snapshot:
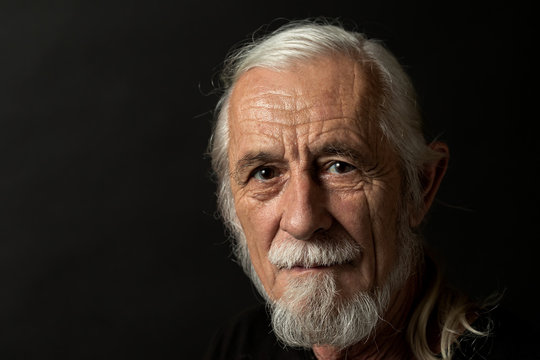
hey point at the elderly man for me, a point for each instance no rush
(324, 178)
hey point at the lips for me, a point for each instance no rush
(300, 267)
(313, 266)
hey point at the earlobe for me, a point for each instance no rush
(431, 179)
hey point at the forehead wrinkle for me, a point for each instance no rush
(285, 125)
(290, 117)
(268, 99)
(274, 133)
(355, 92)
(263, 133)
(294, 109)
(274, 112)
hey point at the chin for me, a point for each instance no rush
(314, 310)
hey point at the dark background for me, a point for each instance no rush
(109, 247)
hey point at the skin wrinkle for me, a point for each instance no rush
(365, 181)
(241, 165)
(310, 122)
(361, 138)
(271, 100)
(276, 96)
(372, 239)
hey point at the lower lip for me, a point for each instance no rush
(315, 268)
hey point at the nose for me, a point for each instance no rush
(304, 207)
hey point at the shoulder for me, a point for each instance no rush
(249, 336)
(509, 338)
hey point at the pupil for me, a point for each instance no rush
(266, 173)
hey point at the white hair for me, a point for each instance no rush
(391, 104)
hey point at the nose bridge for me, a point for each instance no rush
(304, 206)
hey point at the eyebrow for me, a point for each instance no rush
(341, 150)
(251, 159)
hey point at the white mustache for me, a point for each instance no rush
(321, 251)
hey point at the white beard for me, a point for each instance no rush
(313, 311)
(310, 313)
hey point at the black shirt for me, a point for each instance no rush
(250, 337)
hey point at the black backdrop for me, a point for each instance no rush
(109, 247)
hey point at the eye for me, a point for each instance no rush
(340, 167)
(264, 173)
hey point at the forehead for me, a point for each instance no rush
(309, 107)
(307, 93)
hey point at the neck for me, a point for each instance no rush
(389, 341)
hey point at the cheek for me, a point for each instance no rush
(257, 220)
(259, 223)
(370, 218)
(351, 211)
(384, 223)
(384, 216)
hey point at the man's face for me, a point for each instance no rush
(308, 166)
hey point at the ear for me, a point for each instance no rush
(431, 179)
